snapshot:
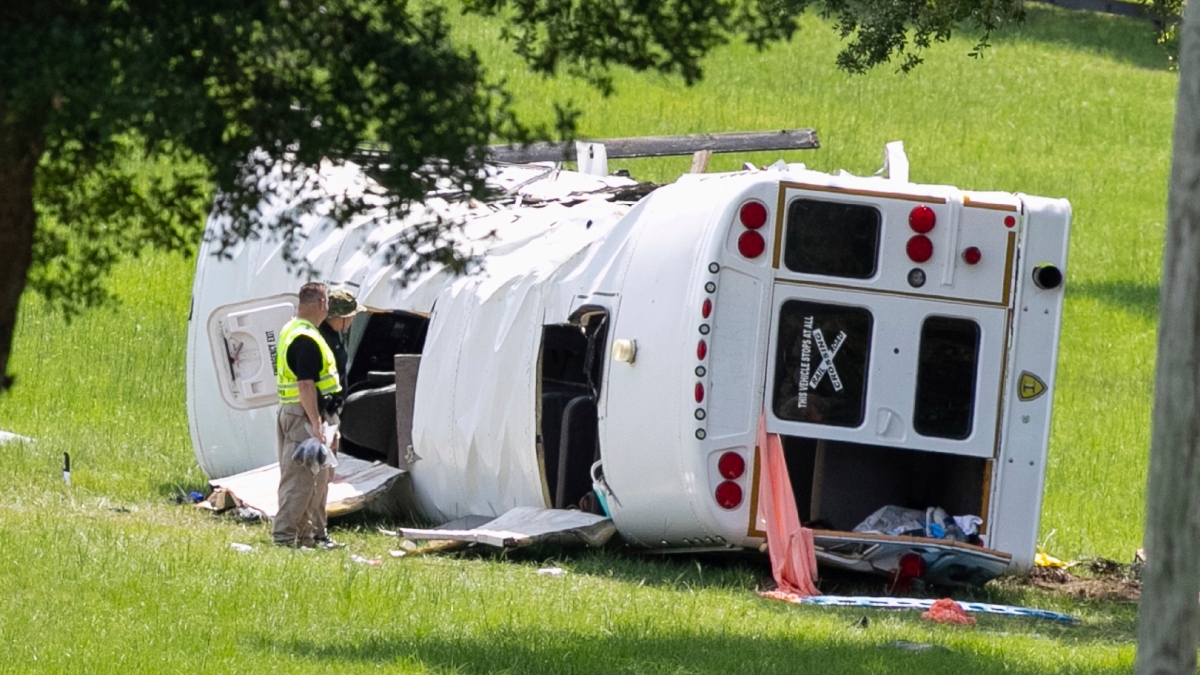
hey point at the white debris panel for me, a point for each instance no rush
(355, 483)
(525, 525)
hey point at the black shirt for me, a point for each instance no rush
(304, 358)
(334, 340)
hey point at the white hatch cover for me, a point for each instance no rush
(243, 338)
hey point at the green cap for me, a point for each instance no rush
(342, 304)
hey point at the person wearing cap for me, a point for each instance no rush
(306, 376)
(342, 310)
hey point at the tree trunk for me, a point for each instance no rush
(1169, 616)
(19, 155)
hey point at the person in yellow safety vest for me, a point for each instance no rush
(306, 375)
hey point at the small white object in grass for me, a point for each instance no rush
(6, 436)
(552, 572)
(364, 561)
(397, 554)
(241, 548)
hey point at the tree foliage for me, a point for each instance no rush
(586, 37)
(1166, 15)
(217, 96)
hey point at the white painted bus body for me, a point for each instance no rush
(667, 274)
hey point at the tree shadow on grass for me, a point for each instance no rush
(1139, 299)
(1129, 40)
(624, 647)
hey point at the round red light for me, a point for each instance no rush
(1009, 221)
(699, 392)
(751, 244)
(922, 219)
(911, 566)
(972, 255)
(753, 215)
(701, 350)
(919, 248)
(706, 308)
(729, 495)
(731, 465)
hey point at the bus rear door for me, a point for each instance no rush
(886, 365)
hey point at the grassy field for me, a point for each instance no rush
(109, 575)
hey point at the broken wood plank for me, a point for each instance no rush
(663, 146)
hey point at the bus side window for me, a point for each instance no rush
(832, 239)
(821, 363)
(947, 367)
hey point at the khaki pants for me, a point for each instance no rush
(302, 494)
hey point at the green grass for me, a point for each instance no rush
(108, 575)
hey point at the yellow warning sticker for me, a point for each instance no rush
(1030, 386)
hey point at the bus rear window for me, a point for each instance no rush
(832, 239)
(821, 363)
(947, 364)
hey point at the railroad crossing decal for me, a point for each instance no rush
(827, 354)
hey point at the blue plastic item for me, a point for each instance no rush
(924, 603)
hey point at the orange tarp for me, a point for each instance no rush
(793, 556)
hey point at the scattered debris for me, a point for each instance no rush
(523, 526)
(8, 436)
(355, 482)
(1044, 560)
(909, 646)
(552, 572)
(373, 562)
(1050, 575)
(397, 554)
(862, 622)
(1097, 579)
(250, 515)
(925, 603)
(241, 548)
(1104, 567)
(945, 610)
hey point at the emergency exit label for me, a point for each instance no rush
(1030, 386)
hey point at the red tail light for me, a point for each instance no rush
(699, 392)
(911, 566)
(706, 308)
(729, 495)
(753, 215)
(701, 350)
(919, 248)
(922, 219)
(751, 244)
(731, 465)
(1009, 221)
(972, 255)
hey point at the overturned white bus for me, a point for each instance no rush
(616, 352)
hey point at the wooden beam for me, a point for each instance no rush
(663, 146)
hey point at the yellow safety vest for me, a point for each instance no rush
(327, 381)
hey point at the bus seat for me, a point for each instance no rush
(577, 451)
(369, 419)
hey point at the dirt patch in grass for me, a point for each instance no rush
(1098, 579)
